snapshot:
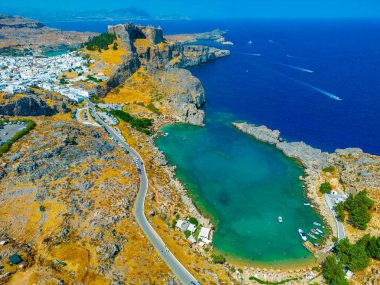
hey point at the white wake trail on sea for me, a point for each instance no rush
(324, 92)
(319, 90)
(293, 66)
(279, 63)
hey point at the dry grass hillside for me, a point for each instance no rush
(66, 200)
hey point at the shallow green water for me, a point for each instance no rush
(244, 185)
(55, 53)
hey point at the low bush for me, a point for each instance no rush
(325, 188)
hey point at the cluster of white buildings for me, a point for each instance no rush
(204, 236)
(18, 74)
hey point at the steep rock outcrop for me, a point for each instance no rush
(34, 105)
(186, 95)
(129, 32)
(27, 106)
(129, 66)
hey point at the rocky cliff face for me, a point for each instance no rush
(129, 66)
(180, 56)
(186, 95)
(33, 105)
(128, 33)
(147, 47)
(27, 106)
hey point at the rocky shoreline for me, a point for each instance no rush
(348, 164)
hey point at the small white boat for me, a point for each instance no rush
(280, 219)
(317, 224)
(306, 204)
(250, 42)
(302, 234)
(318, 230)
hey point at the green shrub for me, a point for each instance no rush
(100, 42)
(153, 108)
(187, 233)
(218, 258)
(325, 188)
(329, 169)
(193, 221)
(142, 125)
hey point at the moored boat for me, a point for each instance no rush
(314, 231)
(319, 231)
(312, 236)
(302, 234)
(280, 219)
(316, 224)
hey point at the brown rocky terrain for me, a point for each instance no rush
(19, 33)
(35, 103)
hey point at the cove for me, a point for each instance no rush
(243, 185)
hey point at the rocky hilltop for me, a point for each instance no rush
(17, 22)
(147, 48)
(19, 33)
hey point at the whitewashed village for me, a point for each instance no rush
(19, 74)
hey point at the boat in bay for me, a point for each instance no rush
(302, 234)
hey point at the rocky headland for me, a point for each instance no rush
(162, 60)
(19, 35)
(216, 35)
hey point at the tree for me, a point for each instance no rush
(358, 207)
(333, 271)
(193, 221)
(372, 246)
(325, 188)
(360, 216)
(339, 209)
(359, 258)
(343, 247)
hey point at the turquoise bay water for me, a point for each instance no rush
(244, 185)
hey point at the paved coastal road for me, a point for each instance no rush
(179, 270)
(339, 225)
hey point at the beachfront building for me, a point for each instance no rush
(204, 236)
(182, 225)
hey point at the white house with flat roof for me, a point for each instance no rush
(204, 233)
(182, 225)
(192, 228)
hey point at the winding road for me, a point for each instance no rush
(179, 270)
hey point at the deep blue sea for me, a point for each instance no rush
(316, 81)
(273, 89)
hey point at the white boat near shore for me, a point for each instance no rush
(302, 234)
